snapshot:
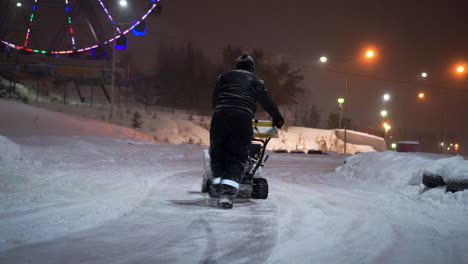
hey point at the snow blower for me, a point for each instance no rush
(252, 184)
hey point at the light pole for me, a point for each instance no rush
(122, 4)
(112, 84)
(340, 106)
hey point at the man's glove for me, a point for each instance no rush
(278, 122)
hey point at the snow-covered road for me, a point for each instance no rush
(104, 200)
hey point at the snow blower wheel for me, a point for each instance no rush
(433, 181)
(260, 188)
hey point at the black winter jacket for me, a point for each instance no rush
(241, 89)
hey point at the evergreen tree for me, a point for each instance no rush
(312, 117)
(136, 120)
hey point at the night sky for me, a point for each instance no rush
(410, 37)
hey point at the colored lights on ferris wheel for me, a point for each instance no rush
(121, 42)
(140, 28)
(98, 52)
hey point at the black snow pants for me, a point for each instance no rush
(230, 137)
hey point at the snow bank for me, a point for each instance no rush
(10, 152)
(387, 168)
(359, 138)
(302, 138)
(402, 173)
(449, 168)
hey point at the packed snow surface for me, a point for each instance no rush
(96, 199)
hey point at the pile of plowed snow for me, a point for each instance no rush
(455, 168)
(380, 167)
(10, 152)
(403, 172)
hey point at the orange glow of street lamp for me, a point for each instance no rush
(421, 95)
(386, 126)
(370, 53)
(459, 69)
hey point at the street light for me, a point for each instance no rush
(123, 3)
(19, 4)
(370, 53)
(323, 59)
(386, 126)
(386, 97)
(340, 104)
(383, 113)
(424, 74)
(421, 95)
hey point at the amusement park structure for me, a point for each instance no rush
(69, 40)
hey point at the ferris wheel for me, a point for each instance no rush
(57, 27)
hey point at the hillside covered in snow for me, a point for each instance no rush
(179, 127)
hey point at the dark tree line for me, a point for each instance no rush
(186, 77)
(334, 121)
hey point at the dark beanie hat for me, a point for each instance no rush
(245, 62)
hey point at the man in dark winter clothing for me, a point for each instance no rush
(234, 103)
